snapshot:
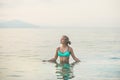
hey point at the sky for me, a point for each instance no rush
(63, 13)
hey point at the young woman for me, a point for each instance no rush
(64, 69)
(64, 51)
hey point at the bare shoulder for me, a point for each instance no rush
(70, 49)
(57, 48)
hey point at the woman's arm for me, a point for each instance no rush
(55, 57)
(73, 55)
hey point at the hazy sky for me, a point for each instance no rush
(80, 13)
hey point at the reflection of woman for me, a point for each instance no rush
(64, 51)
(65, 71)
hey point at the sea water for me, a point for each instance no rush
(23, 49)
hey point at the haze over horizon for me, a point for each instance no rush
(80, 13)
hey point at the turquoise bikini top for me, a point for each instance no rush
(64, 54)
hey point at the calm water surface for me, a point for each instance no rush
(22, 52)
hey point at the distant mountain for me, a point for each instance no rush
(16, 24)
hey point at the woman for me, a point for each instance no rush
(64, 69)
(64, 51)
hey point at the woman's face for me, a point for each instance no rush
(63, 40)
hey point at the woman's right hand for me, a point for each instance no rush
(51, 60)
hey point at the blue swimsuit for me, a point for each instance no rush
(64, 54)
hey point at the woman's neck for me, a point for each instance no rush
(64, 45)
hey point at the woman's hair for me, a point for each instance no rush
(67, 39)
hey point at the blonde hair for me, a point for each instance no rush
(67, 38)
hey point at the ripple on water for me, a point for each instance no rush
(115, 58)
(20, 71)
(14, 75)
(3, 68)
(17, 73)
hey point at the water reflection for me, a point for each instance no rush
(65, 71)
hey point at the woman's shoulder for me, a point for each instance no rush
(70, 48)
(57, 48)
